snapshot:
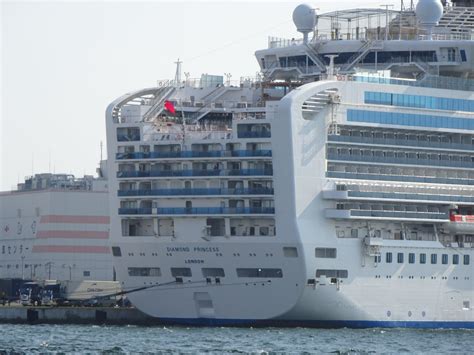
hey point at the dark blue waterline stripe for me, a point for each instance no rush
(212, 322)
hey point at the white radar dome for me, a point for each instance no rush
(304, 17)
(429, 12)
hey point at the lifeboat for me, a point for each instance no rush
(461, 224)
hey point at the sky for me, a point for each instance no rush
(63, 62)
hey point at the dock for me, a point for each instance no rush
(74, 315)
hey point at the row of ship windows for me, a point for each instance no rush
(418, 101)
(409, 119)
(206, 272)
(422, 258)
(331, 253)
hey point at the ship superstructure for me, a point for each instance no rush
(334, 190)
(56, 226)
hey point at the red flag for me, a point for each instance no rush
(169, 106)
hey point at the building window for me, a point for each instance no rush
(444, 259)
(434, 258)
(116, 251)
(388, 257)
(400, 258)
(466, 259)
(330, 253)
(411, 258)
(422, 258)
(378, 259)
(86, 273)
(455, 259)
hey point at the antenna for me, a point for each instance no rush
(387, 24)
(428, 13)
(304, 18)
(177, 77)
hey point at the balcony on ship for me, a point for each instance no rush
(196, 211)
(195, 192)
(398, 192)
(386, 211)
(403, 138)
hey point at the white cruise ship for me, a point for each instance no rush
(56, 226)
(336, 189)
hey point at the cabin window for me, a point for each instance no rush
(455, 259)
(290, 252)
(444, 259)
(181, 272)
(422, 258)
(213, 272)
(466, 259)
(411, 258)
(343, 274)
(86, 273)
(434, 258)
(400, 258)
(144, 271)
(259, 272)
(388, 257)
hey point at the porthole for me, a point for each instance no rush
(409, 313)
(389, 313)
(423, 313)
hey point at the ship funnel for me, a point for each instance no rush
(428, 14)
(305, 20)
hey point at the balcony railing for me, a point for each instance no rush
(382, 177)
(178, 173)
(195, 154)
(196, 210)
(404, 161)
(409, 196)
(399, 214)
(263, 134)
(401, 142)
(128, 137)
(195, 192)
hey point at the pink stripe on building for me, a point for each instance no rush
(77, 249)
(75, 219)
(72, 234)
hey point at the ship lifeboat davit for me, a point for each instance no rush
(461, 224)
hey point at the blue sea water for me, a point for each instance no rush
(95, 339)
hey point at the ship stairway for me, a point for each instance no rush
(313, 54)
(361, 53)
(316, 103)
(157, 105)
(209, 102)
(458, 19)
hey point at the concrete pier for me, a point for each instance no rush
(74, 315)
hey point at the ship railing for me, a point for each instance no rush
(399, 214)
(196, 192)
(430, 81)
(400, 142)
(196, 210)
(410, 196)
(402, 161)
(196, 135)
(405, 178)
(195, 154)
(195, 172)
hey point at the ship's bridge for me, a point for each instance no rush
(376, 39)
